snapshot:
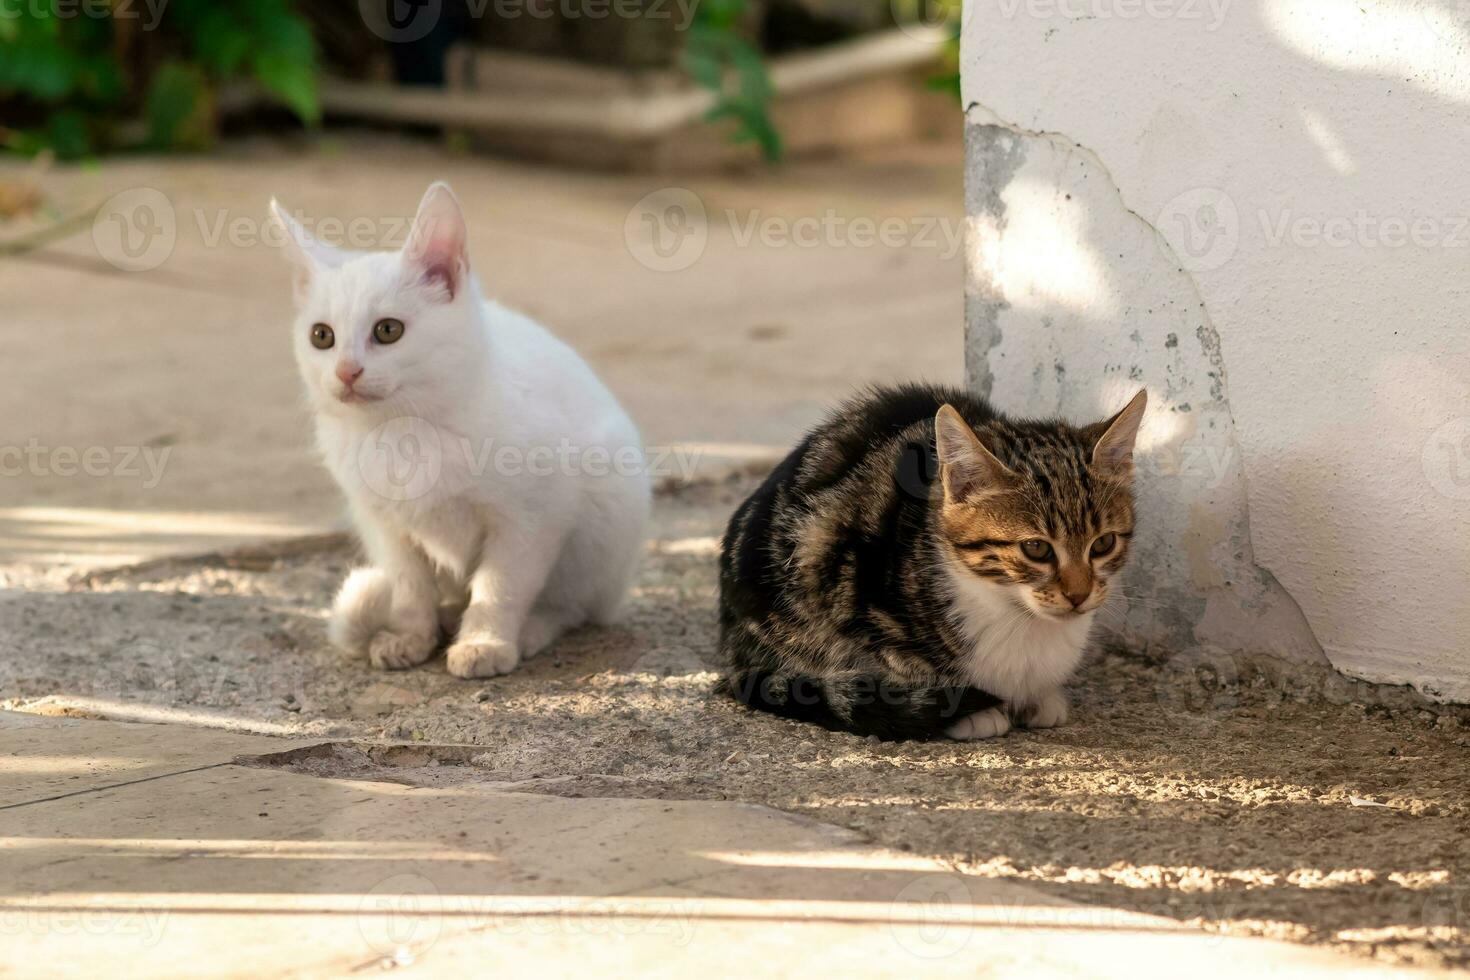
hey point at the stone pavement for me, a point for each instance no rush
(1339, 825)
(160, 851)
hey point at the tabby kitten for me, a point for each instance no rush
(923, 565)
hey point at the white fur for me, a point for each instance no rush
(1019, 654)
(360, 610)
(990, 723)
(469, 476)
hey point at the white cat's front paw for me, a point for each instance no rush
(990, 723)
(399, 651)
(1049, 711)
(360, 610)
(485, 658)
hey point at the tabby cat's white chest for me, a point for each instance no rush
(1016, 655)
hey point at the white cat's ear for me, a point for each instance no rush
(437, 244)
(307, 254)
(1113, 451)
(966, 466)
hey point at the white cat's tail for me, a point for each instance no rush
(360, 610)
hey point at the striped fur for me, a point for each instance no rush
(866, 586)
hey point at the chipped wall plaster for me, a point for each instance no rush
(1048, 203)
(1136, 217)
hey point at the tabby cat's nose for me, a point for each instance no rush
(1077, 598)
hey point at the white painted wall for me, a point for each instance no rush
(1260, 209)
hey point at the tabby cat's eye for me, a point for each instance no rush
(1036, 549)
(322, 337)
(388, 331)
(1104, 544)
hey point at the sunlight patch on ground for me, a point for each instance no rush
(117, 710)
(702, 546)
(823, 859)
(37, 764)
(335, 850)
(98, 535)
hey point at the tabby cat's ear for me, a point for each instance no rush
(966, 466)
(1113, 452)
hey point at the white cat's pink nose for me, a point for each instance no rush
(348, 372)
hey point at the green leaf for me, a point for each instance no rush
(949, 83)
(221, 43)
(68, 133)
(722, 13)
(714, 51)
(770, 139)
(706, 70)
(102, 81)
(40, 67)
(746, 59)
(293, 82)
(177, 107)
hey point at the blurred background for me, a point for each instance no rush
(739, 210)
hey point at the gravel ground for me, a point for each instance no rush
(1246, 798)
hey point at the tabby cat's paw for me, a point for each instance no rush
(397, 651)
(1049, 711)
(483, 658)
(990, 723)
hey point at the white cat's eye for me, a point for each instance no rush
(322, 337)
(1036, 549)
(388, 331)
(1104, 544)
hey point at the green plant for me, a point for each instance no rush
(948, 79)
(81, 78)
(946, 14)
(719, 58)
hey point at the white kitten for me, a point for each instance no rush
(498, 486)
